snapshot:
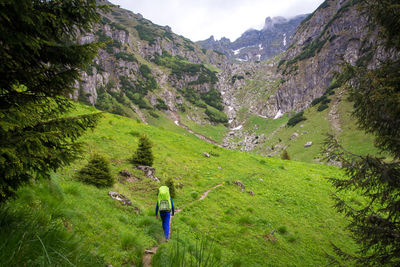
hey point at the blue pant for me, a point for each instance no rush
(165, 217)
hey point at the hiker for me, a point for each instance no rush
(164, 206)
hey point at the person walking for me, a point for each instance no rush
(164, 207)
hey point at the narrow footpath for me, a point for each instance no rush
(148, 254)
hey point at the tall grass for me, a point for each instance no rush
(34, 231)
(202, 253)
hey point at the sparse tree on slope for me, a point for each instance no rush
(40, 60)
(375, 226)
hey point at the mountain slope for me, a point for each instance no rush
(145, 69)
(301, 79)
(289, 220)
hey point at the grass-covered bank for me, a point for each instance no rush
(290, 197)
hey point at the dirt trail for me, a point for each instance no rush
(177, 121)
(148, 254)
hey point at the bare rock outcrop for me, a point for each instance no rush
(120, 197)
(149, 172)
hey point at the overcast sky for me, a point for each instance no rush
(199, 19)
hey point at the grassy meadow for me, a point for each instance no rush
(288, 221)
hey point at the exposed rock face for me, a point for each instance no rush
(116, 74)
(258, 45)
(336, 29)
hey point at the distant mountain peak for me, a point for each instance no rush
(271, 22)
(257, 45)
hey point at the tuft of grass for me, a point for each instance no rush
(282, 230)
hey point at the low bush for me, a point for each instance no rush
(296, 119)
(215, 115)
(97, 172)
(322, 107)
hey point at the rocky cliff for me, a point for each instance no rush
(146, 71)
(143, 68)
(258, 45)
(336, 31)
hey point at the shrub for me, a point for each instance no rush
(213, 98)
(216, 116)
(171, 185)
(194, 194)
(143, 154)
(126, 56)
(282, 230)
(153, 114)
(285, 155)
(161, 104)
(318, 100)
(97, 172)
(296, 119)
(322, 107)
(146, 33)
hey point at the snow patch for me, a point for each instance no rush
(230, 108)
(241, 60)
(278, 114)
(260, 47)
(284, 39)
(258, 57)
(230, 121)
(237, 128)
(177, 122)
(222, 93)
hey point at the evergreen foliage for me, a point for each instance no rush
(213, 98)
(285, 155)
(97, 172)
(298, 117)
(215, 115)
(376, 96)
(40, 60)
(143, 155)
(171, 185)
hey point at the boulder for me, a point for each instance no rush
(205, 154)
(251, 193)
(120, 197)
(149, 172)
(294, 136)
(125, 173)
(308, 144)
(239, 183)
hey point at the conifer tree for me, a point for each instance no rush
(40, 60)
(375, 226)
(97, 172)
(143, 154)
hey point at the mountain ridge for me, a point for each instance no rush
(257, 45)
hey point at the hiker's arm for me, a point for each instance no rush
(173, 209)
(157, 210)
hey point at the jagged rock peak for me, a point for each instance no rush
(271, 22)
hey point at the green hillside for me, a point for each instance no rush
(291, 200)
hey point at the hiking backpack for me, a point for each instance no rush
(164, 199)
